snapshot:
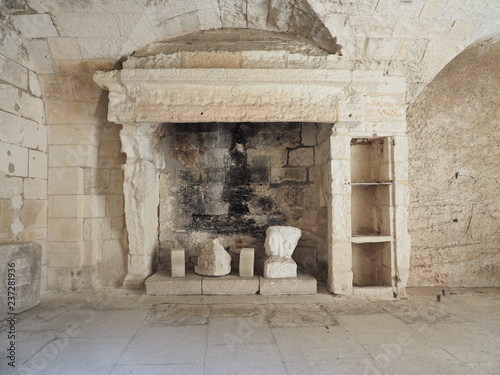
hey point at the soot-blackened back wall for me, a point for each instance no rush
(233, 180)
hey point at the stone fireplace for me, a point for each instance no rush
(228, 151)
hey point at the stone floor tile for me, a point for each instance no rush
(178, 315)
(351, 306)
(194, 369)
(240, 330)
(467, 342)
(236, 310)
(317, 344)
(50, 319)
(287, 315)
(486, 368)
(251, 359)
(375, 328)
(419, 310)
(109, 323)
(146, 300)
(255, 299)
(77, 300)
(74, 356)
(117, 301)
(167, 345)
(423, 365)
(28, 343)
(335, 367)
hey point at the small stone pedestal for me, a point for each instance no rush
(276, 267)
(247, 256)
(178, 262)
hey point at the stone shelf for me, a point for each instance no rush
(373, 238)
(161, 284)
(370, 183)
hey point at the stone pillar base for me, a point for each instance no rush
(279, 268)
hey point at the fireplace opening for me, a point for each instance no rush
(234, 180)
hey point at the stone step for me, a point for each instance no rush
(161, 283)
(302, 284)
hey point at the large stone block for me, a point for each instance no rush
(74, 113)
(65, 229)
(35, 188)
(13, 73)
(230, 284)
(303, 157)
(20, 265)
(13, 160)
(33, 214)
(302, 284)
(37, 164)
(57, 87)
(295, 174)
(384, 108)
(35, 25)
(21, 103)
(83, 24)
(73, 156)
(65, 48)
(162, 284)
(66, 180)
(10, 187)
(211, 59)
(264, 59)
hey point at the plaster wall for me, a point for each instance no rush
(23, 149)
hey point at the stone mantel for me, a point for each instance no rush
(230, 95)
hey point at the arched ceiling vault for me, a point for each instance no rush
(414, 38)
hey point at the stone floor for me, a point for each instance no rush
(124, 332)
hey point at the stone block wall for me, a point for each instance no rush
(23, 146)
(234, 180)
(85, 195)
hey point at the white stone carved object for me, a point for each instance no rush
(247, 256)
(280, 243)
(214, 260)
(178, 263)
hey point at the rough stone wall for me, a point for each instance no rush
(236, 179)
(23, 143)
(454, 130)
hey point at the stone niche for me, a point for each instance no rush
(267, 138)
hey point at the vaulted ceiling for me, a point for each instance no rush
(414, 37)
